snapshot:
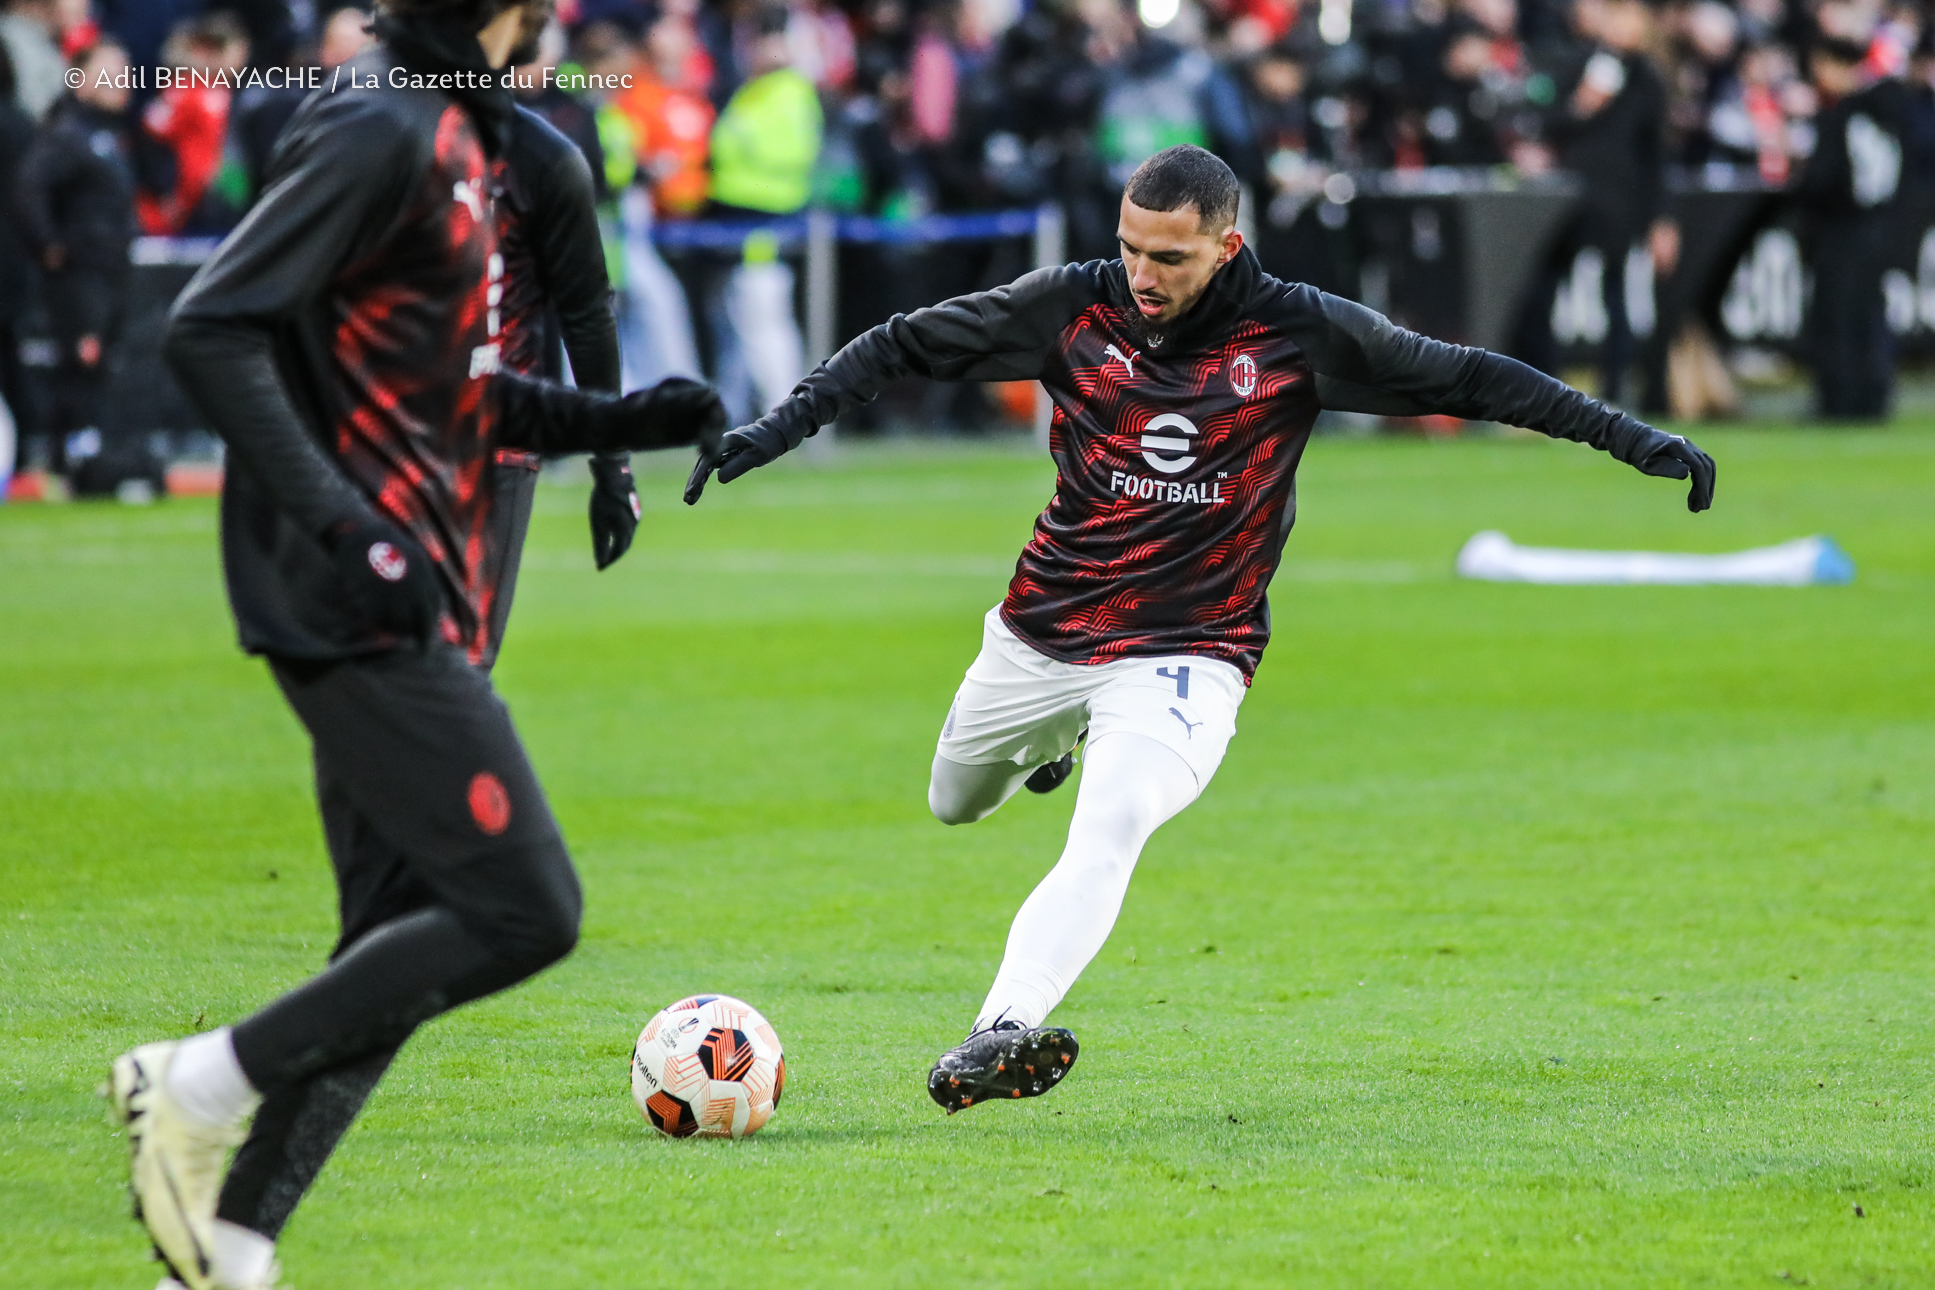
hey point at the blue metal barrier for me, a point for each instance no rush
(790, 230)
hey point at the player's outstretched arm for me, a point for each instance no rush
(1366, 363)
(542, 416)
(998, 335)
(570, 255)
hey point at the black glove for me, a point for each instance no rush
(671, 414)
(614, 509)
(389, 577)
(1677, 458)
(744, 449)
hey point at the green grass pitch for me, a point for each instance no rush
(1529, 937)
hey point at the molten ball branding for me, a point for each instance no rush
(390, 564)
(490, 805)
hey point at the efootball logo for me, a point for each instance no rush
(389, 563)
(1243, 376)
(1155, 444)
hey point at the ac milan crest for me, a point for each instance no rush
(1243, 375)
(389, 563)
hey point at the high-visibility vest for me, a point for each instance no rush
(765, 144)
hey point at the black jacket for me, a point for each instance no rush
(16, 137)
(1860, 159)
(1176, 454)
(554, 259)
(556, 296)
(1620, 150)
(75, 189)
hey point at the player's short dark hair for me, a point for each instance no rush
(1186, 175)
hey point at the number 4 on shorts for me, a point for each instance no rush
(1180, 676)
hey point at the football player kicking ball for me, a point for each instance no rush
(349, 341)
(1185, 381)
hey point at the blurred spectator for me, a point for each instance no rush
(1851, 184)
(75, 203)
(1159, 94)
(604, 50)
(663, 121)
(1609, 129)
(763, 150)
(570, 116)
(1705, 75)
(185, 125)
(1461, 119)
(260, 112)
(1919, 164)
(31, 29)
(767, 139)
(1049, 82)
(671, 118)
(16, 137)
(273, 29)
(1750, 120)
(143, 26)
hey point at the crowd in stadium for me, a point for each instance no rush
(899, 108)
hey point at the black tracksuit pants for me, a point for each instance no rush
(453, 881)
(1849, 342)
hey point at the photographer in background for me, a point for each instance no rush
(1850, 186)
(1609, 126)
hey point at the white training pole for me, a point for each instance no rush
(1051, 238)
(822, 298)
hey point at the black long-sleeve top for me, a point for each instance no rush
(1860, 161)
(554, 258)
(1176, 454)
(1620, 150)
(75, 188)
(344, 341)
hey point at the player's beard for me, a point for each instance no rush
(1148, 333)
(1145, 331)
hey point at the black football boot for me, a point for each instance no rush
(1052, 775)
(1007, 1060)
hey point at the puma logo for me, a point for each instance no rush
(1127, 360)
(1189, 727)
(469, 194)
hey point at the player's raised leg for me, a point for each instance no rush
(1017, 712)
(960, 793)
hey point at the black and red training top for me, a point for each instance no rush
(1176, 453)
(348, 343)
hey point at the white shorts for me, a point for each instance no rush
(1019, 705)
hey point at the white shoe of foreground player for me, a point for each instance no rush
(177, 1163)
(273, 1281)
(129, 1090)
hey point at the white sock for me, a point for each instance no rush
(1130, 786)
(207, 1082)
(242, 1257)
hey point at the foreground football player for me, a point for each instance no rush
(347, 342)
(1185, 381)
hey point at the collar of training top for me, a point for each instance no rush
(1222, 303)
(434, 45)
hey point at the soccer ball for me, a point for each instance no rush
(709, 1065)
